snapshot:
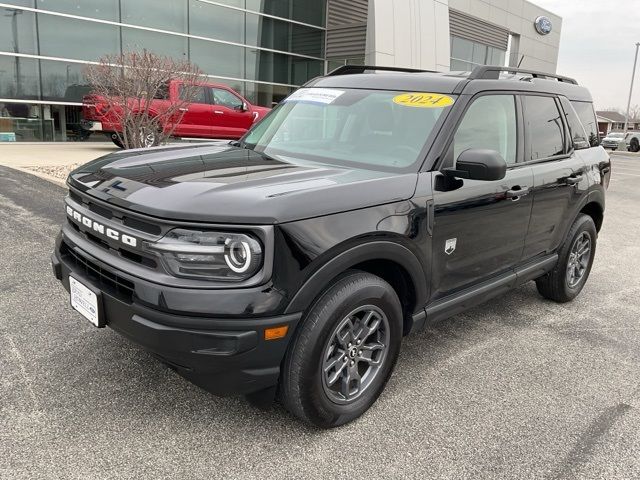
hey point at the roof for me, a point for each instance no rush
(386, 78)
(611, 115)
(615, 117)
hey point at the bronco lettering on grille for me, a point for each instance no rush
(101, 229)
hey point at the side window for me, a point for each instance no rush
(225, 98)
(193, 93)
(588, 118)
(490, 123)
(543, 127)
(577, 133)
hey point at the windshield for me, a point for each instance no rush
(615, 135)
(382, 130)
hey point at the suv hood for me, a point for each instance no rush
(221, 183)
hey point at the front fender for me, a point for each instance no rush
(376, 250)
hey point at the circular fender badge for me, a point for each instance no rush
(423, 100)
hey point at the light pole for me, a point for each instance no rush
(633, 75)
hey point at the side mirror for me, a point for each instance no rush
(478, 164)
(244, 107)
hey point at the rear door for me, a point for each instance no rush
(480, 226)
(559, 171)
(231, 118)
(197, 119)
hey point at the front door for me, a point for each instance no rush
(197, 116)
(231, 119)
(480, 226)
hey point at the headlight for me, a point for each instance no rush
(209, 255)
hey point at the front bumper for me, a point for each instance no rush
(225, 356)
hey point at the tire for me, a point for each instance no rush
(634, 145)
(304, 386)
(559, 285)
(116, 140)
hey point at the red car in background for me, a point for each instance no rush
(216, 112)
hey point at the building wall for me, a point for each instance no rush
(264, 49)
(415, 33)
(408, 33)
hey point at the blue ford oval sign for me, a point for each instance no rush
(543, 25)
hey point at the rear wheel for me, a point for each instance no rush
(344, 351)
(634, 145)
(575, 259)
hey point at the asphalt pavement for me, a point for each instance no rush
(517, 388)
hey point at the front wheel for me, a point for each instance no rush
(575, 259)
(343, 352)
(634, 145)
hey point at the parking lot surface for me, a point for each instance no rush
(517, 388)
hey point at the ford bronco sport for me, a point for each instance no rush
(369, 203)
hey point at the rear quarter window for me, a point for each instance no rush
(579, 138)
(587, 116)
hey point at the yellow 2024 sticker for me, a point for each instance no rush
(423, 100)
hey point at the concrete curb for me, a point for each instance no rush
(626, 154)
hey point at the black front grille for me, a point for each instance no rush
(107, 280)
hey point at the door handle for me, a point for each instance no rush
(218, 112)
(573, 179)
(516, 192)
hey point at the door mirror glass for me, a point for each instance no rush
(479, 164)
(244, 107)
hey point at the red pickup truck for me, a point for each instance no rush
(217, 111)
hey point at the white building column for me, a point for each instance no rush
(408, 33)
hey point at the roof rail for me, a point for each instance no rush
(351, 69)
(490, 72)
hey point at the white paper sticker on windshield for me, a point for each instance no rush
(323, 96)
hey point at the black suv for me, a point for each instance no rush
(369, 203)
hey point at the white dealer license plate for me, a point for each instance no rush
(85, 301)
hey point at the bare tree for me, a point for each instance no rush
(634, 112)
(128, 84)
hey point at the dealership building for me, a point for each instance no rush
(264, 49)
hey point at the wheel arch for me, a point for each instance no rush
(595, 210)
(392, 262)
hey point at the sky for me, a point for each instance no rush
(597, 46)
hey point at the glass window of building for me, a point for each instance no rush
(24, 122)
(162, 14)
(159, 43)
(265, 94)
(214, 21)
(218, 58)
(62, 81)
(305, 11)
(19, 78)
(285, 36)
(24, 3)
(465, 54)
(76, 39)
(102, 9)
(17, 31)
(279, 68)
(268, 53)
